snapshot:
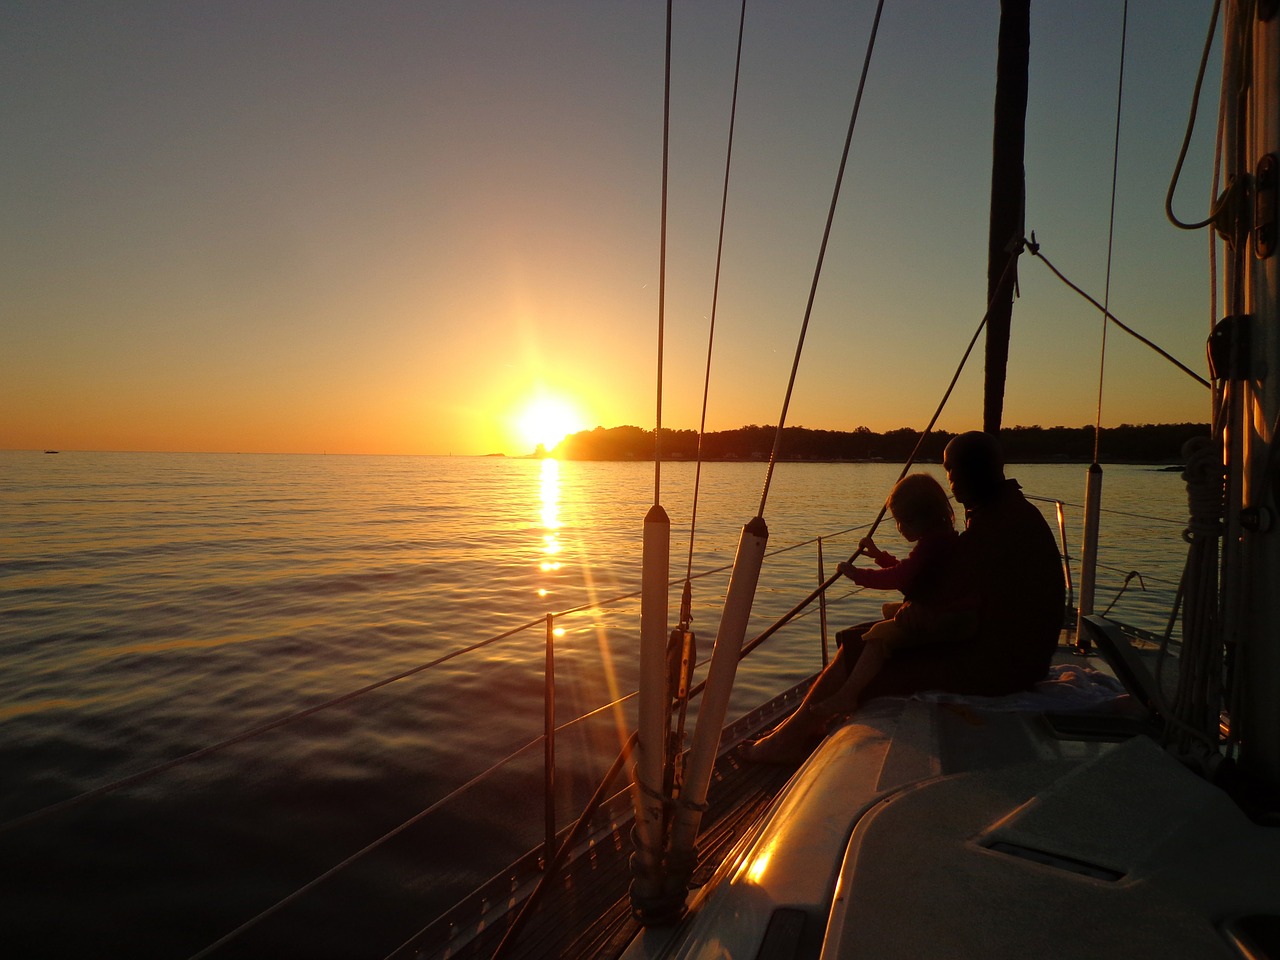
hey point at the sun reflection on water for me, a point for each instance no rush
(551, 545)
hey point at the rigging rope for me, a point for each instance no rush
(1186, 140)
(1111, 233)
(822, 252)
(1034, 249)
(662, 262)
(715, 291)
(552, 869)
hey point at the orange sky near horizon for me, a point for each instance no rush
(396, 228)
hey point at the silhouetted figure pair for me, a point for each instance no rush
(988, 623)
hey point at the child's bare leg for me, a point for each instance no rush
(835, 691)
(789, 741)
(865, 668)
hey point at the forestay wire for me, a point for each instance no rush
(822, 252)
(1111, 233)
(715, 292)
(662, 262)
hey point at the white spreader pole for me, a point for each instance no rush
(654, 698)
(1089, 547)
(715, 701)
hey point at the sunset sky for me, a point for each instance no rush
(395, 227)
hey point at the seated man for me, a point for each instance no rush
(1006, 564)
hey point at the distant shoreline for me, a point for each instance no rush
(1012, 461)
(1143, 444)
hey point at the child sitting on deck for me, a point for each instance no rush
(1001, 596)
(924, 517)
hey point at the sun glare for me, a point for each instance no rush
(546, 421)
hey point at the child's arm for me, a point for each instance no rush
(882, 558)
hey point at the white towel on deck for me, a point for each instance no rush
(1067, 687)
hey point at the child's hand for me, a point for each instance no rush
(869, 547)
(845, 569)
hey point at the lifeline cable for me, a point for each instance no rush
(369, 848)
(264, 728)
(249, 734)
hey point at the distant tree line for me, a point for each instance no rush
(1144, 443)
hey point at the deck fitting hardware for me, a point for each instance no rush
(1256, 519)
(1265, 192)
(1228, 348)
(1057, 861)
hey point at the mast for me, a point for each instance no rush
(1251, 592)
(1008, 181)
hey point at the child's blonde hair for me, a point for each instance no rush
(918, 498)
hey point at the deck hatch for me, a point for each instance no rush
(1057, 861)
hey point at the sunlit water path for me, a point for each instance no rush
(153, 604)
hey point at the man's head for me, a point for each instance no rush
(975, 467)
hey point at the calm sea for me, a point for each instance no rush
(152, 605)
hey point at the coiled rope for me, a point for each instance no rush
(1197, 704)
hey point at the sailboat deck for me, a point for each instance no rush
(586, 911)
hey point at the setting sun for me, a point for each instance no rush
(546, 421)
